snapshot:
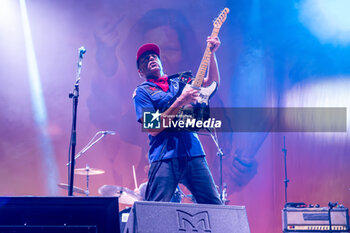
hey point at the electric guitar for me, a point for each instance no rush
(200, 110)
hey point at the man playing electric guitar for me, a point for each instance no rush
(174, 156)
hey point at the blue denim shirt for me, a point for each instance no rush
(165, 145)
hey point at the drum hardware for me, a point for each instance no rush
(134, 174)
(87, 171)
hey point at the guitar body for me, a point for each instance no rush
(200, 110)
(204, 92)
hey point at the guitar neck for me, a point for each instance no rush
(197, 82)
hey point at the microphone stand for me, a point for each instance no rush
(286, 180)
(222, 190)
(74, 95)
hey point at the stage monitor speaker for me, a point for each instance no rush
(59, 215)
(163, 217)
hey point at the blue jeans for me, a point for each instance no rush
(193, 172)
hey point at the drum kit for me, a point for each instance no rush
(125, 195)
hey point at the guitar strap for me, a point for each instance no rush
(184, 76)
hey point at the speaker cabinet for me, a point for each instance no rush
(163, 217)
(59, 215)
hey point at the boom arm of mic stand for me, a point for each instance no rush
(88, 146)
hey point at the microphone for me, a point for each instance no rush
(82, 51)
(108, 132)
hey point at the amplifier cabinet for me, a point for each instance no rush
(314, 220)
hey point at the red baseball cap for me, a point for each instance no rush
(147, 47)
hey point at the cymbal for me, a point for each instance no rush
(88, 171)
(126, 196)
(75, 189)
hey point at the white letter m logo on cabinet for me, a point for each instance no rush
(198, 221)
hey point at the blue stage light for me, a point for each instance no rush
(328, 20)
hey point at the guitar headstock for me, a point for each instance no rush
(221, 18)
